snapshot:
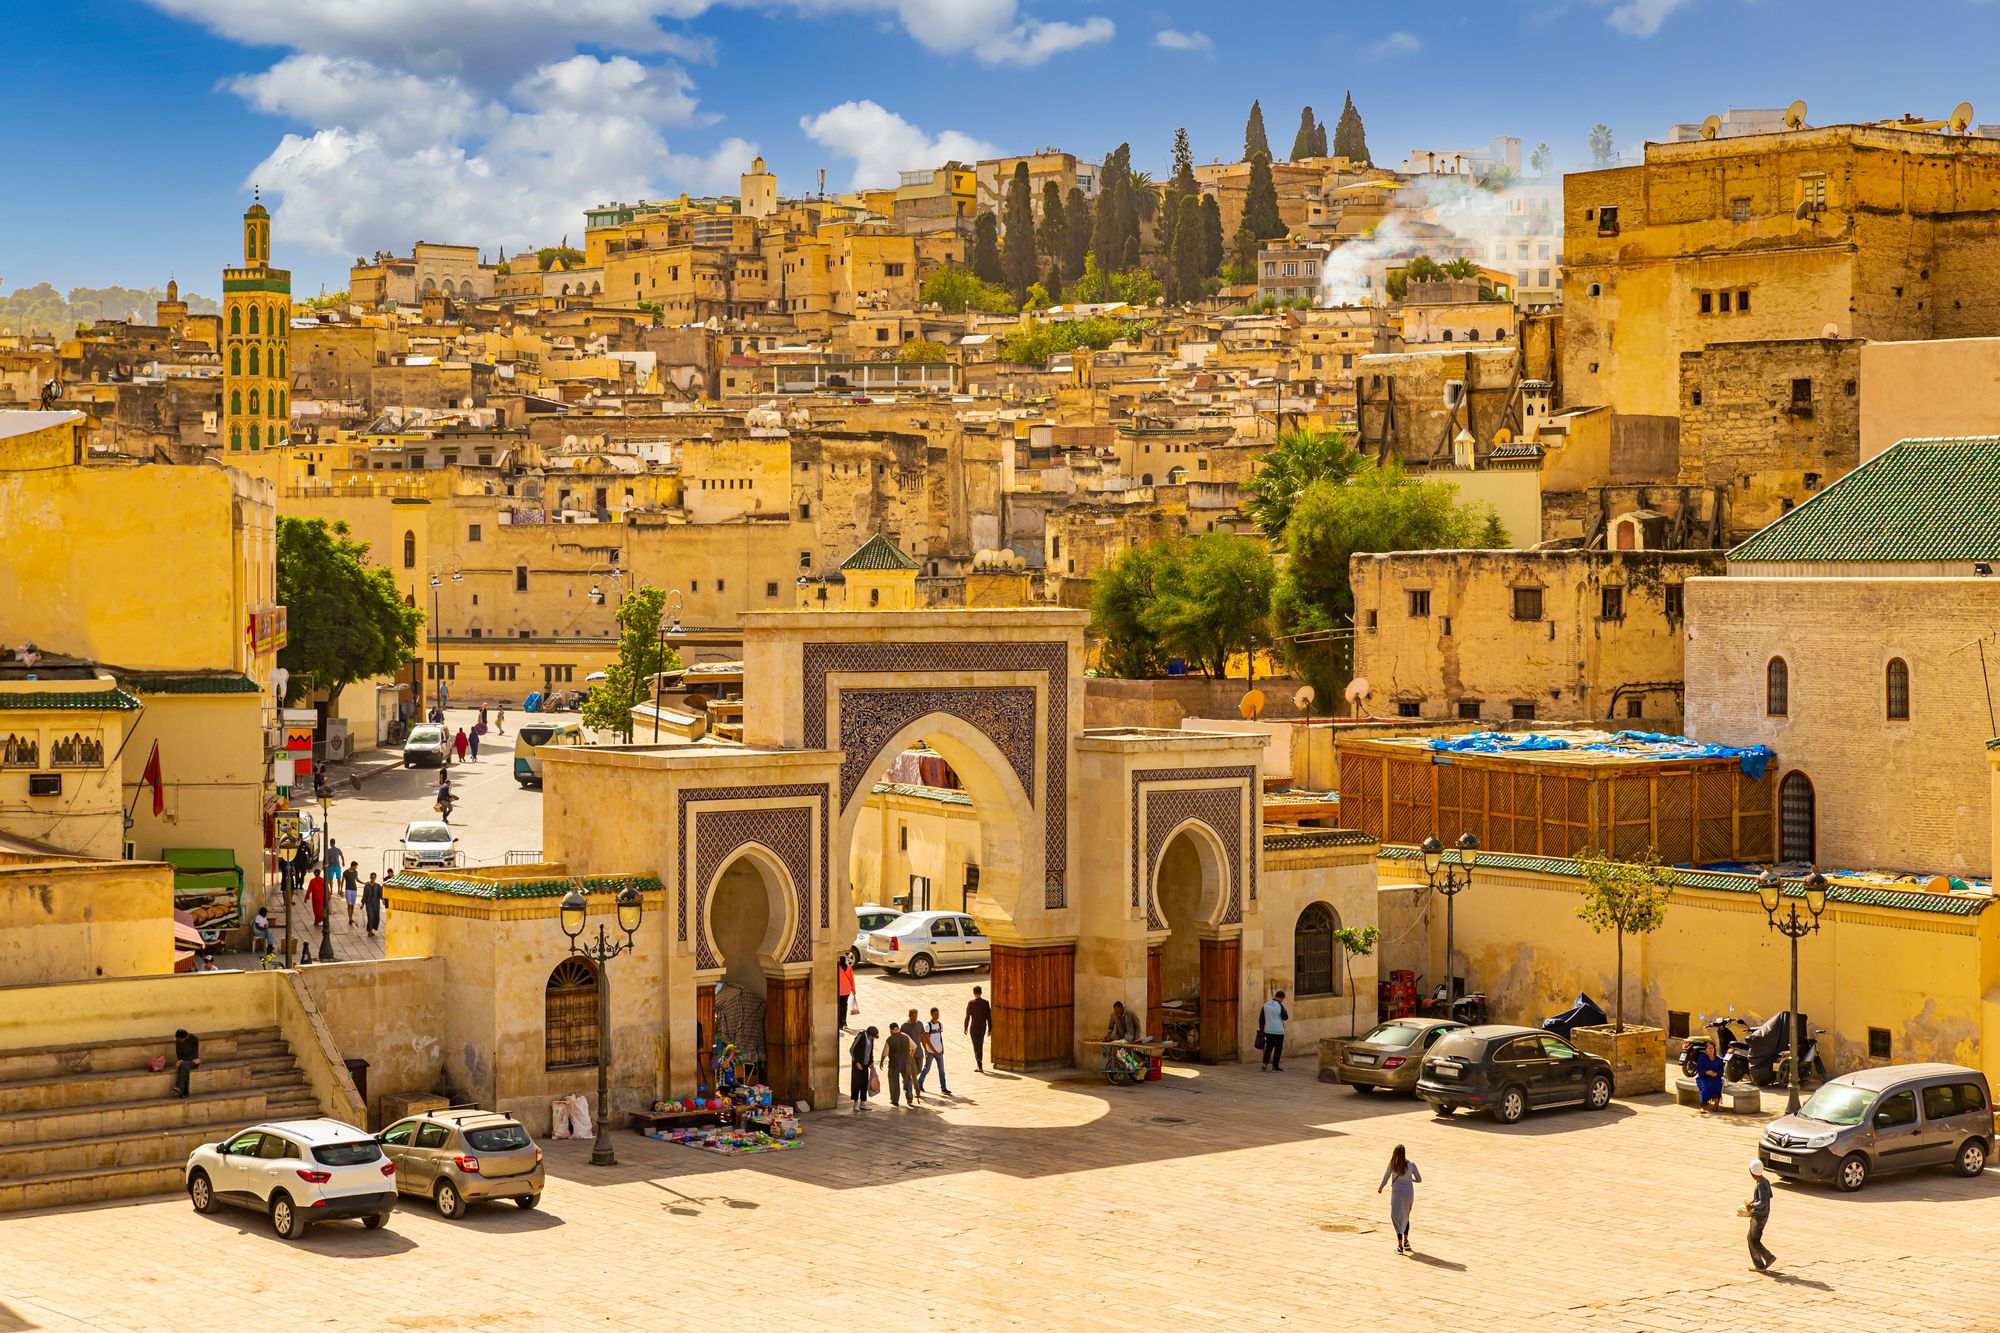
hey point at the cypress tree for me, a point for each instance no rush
(1188, 251)
(1017, 253)
(1050, 232)
(1076, 240)
(1107, 239)
(1319, 140)
(1211, 237)
(1306, 142)
(1244, 257)
(986, 249)
(1254, 139)
(1350, 139)
(1260, 206)
(1181, 185)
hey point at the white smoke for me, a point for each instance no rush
(1444, 217)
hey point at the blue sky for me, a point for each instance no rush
(375, 123)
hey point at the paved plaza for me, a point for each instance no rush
(1223, 1196)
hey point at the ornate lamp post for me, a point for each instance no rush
(574, 909)
(1449, 881)
(1770, 888)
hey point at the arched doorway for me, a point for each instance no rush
(1192, 972)
(1797, 819)
(747, 993)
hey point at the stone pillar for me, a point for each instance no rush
(1034, 1002)
(1221, 976)
(788, 1038)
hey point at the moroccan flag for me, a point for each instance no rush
(151, 778)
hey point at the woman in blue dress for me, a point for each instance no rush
(1401, 1180)
(1708, 1076)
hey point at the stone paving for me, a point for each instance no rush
(1218, 1197)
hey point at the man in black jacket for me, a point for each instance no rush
(187, 1054)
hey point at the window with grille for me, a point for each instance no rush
(1468, 710)
(570, 1007)
(1313, 966)
(1795, 818)
(1777, 688)
(1899, 690)
(1409, 708)
(1613, 603)
(1527, 603)
(1524, 712)
(1420, 601)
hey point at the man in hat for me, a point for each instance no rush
(1758, 1209)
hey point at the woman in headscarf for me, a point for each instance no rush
(1708, 1076)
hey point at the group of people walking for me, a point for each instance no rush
(913, 1050)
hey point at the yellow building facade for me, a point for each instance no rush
(256, 344)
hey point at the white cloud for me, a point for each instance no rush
(1395, 44)
(1642, 18)
(401, 109)
(1033, 42)
(661, 93)
(881, 143)
(1175, 40)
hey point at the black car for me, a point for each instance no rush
(1508, 1070)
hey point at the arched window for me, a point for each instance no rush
(236, 402)
(409, 550)
(1796, 831)
(256, 440)
(1777, 688)
(569, 1008)
(236, 319)
(1499, 335)
(236, 437)
(255, 399)
(236, 360)
(253, 361)
(1897, 680)
(1447, 335)
(1315, 970)
(1146, 480)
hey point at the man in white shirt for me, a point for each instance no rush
(933, 1054)
(1272, 1025)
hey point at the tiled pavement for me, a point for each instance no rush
(1219, 1197)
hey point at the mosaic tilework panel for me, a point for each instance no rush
(787, 831)
(1220, 808)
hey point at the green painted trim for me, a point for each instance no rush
(70, 700)
(520, 888)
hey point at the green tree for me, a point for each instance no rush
(1541, 159)
(1017, 253)
(957, 290)
(1145, 196)
(1134, 286)
(1242, 265)
(1350, 138)
(1319, 140)
(1460, 268)
(1627, 898)
(1304, 143)
(1119, 598)
(1355, 942)
(921, 350)
(1600, 144)
(1255, 141)
(642, 654)
(345, 620)
(1108, 232)
(1186, 269)
(1034, 344)
(1420, 269)
(1260, 204)
(1212, 598)
(547, 256)
(986, 249)
(1296, 461)
(1211, 236)
(1077, 228)
(1051, 233)
(1181, 185)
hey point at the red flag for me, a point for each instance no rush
(151, 777)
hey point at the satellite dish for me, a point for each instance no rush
(1938, 884)
(1503, 436)
(1961, 117)
(1252, 704)
(1795, 115)
(1302, 699)
(1711, 127)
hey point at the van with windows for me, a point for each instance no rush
(532, 739)
(1891, 1118)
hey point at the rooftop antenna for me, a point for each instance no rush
(1711, 127)
(1795, 114)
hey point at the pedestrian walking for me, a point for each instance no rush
(899, 1053)
(861, 1080)
(933, 1039)
(459, 744)
(500, 721)
(371, 903)
(336, 870)
(316, 896)
(843, 987)
(1758, 1209)
(478, 730)
(335, 859)
(445, 800)
(978, 1018)
(352, 890)
(1401, 1178)
(187, 1056)
(1271, 1032)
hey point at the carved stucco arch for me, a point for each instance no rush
(783, 928)
(787, 827)
(1211, 851)
(1163, 803)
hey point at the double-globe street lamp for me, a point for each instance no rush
(1771, 888)
(437, 691)
(1449, 881)
(575, 907)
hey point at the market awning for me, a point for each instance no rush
(203, 868)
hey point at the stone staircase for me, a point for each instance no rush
(84, 1123)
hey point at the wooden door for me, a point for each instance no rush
(704, 1042)
(1034, 1006)
(1156, 998)
(1221, 972)
(788, 1038)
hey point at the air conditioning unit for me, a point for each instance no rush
(44, 784)
(274, 738)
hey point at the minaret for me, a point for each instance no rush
(171, 312)
(256, 343)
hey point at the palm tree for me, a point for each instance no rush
(1144, 197)
(1461, 268)
(1299, 458)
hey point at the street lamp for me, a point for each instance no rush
(574, 909)
(1450, 882)
(673, 608)
(437, 583)
(1770, 888)
(326, 901)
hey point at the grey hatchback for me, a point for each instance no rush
(1891, 1118)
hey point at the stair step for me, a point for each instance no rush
(247, 1105)
(130, 1053)
(63, 1091)
(107, 1151)
(65, 1188)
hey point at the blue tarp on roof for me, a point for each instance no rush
(1752, 759)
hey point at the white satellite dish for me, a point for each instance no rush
(1711, 127)
(1357, 690)
(1302, 699)
(1795, 115)
(1961, 118)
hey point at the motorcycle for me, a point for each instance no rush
(1755, 1058)
(1812, 1068)
(1723, 1036)
(1584, 1013)
(1469, 1008)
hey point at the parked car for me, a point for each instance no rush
(1508, 1071)
(925, 941)
(1891, 1118)
(297, 1172)
(1391, 1056)
(425, 746)
(868, 917)
(464, 1156)
(429, 842)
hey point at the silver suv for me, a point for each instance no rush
(1892, 1118)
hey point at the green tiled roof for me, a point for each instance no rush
(878, 552)
(1287, 840)
(68, 699)
(519, 888)
(1908, 900)
(944, 795)
(166, 682)
(1917, 500)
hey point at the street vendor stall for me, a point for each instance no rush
(208, 886)
(1131, 1061)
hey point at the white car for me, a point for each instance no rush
(868, 917)
(429, 842)
(296, 1172)
(925, 941)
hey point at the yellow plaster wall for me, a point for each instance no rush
(70, 921)
(1924, 390)
(213, 772)
(943, 838)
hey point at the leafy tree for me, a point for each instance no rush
(1076, 229)
(642, 654)
(547, 256)
(1304, 143)
(1017, 254)
(1296, 461)
(1211, 236)
(1052, 282)
(1211, 598)
(957, 290)
(986, 249)
(1119, 598)
(1260, 204)
(1499, 178)
(1035, 343)
(1600, 144)
(1420, 269)
(1242, 266)
(1627, 898)
(922, 349)
(1350, 138)
(327, 300)
(1186, 269)
(1319, 140)
(1355, 942)
(1051, 233)
(1134, 286)
(1382, 508)
(1541, 159)
(1460, 268)
(345, 620)
(1254, 139)
(1108, 232)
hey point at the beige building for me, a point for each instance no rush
(1935, 388)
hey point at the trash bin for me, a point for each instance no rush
(358, 1071)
